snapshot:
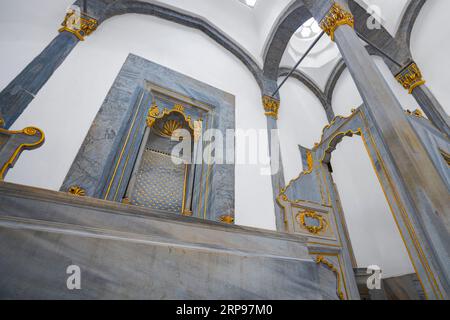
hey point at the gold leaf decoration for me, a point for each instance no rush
(336, 17)
(77, 191)
(170, 126)
(410, 77)
(227, 219)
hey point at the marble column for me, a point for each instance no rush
(423, 193)
(21, 91)
(411, 79)
(196, 159)
(271, 107)
(432, 108)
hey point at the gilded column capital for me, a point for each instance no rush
(410, 77)
(271, 106)
(336, 17)
(79, 24)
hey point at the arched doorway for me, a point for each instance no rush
(374, 236)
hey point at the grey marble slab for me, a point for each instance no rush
(126, 252)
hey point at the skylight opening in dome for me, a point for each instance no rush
(308, 30)
(250, 3)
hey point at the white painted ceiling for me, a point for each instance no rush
(250, 27)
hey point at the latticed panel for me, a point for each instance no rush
(159, 183)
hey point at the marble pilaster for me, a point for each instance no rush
(423, 192)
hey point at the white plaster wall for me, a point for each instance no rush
(267, 14)
(27, 27)
(373, 232)
(389, 11)
(232, 17)
(66, 106)
(374, 235)
(346, 96)
(431, 49)
(301, 120)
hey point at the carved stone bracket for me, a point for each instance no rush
(12, 143)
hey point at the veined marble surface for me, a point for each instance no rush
(126, 252)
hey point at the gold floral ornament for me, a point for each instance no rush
(227, 219)
(79, 24)
(410, 77)
(336, 17)
(169, 127)
(306, 215)
(30, 131)
(154, 114)
(271, 106)
(77, 191)
(322, 260)
(309, 162)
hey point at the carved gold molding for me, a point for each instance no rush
(309, 161)
(169, 127)
(417, 113)
(187, 213)
(322, 260)
(410, 77)
(29, 131)
(154, 114)
(310, 155)
(336, 17)
(227, 219)
(79, 24)
(77, 191)
(328, 126)
(271, 106)
(313, 215)
(339, 135)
